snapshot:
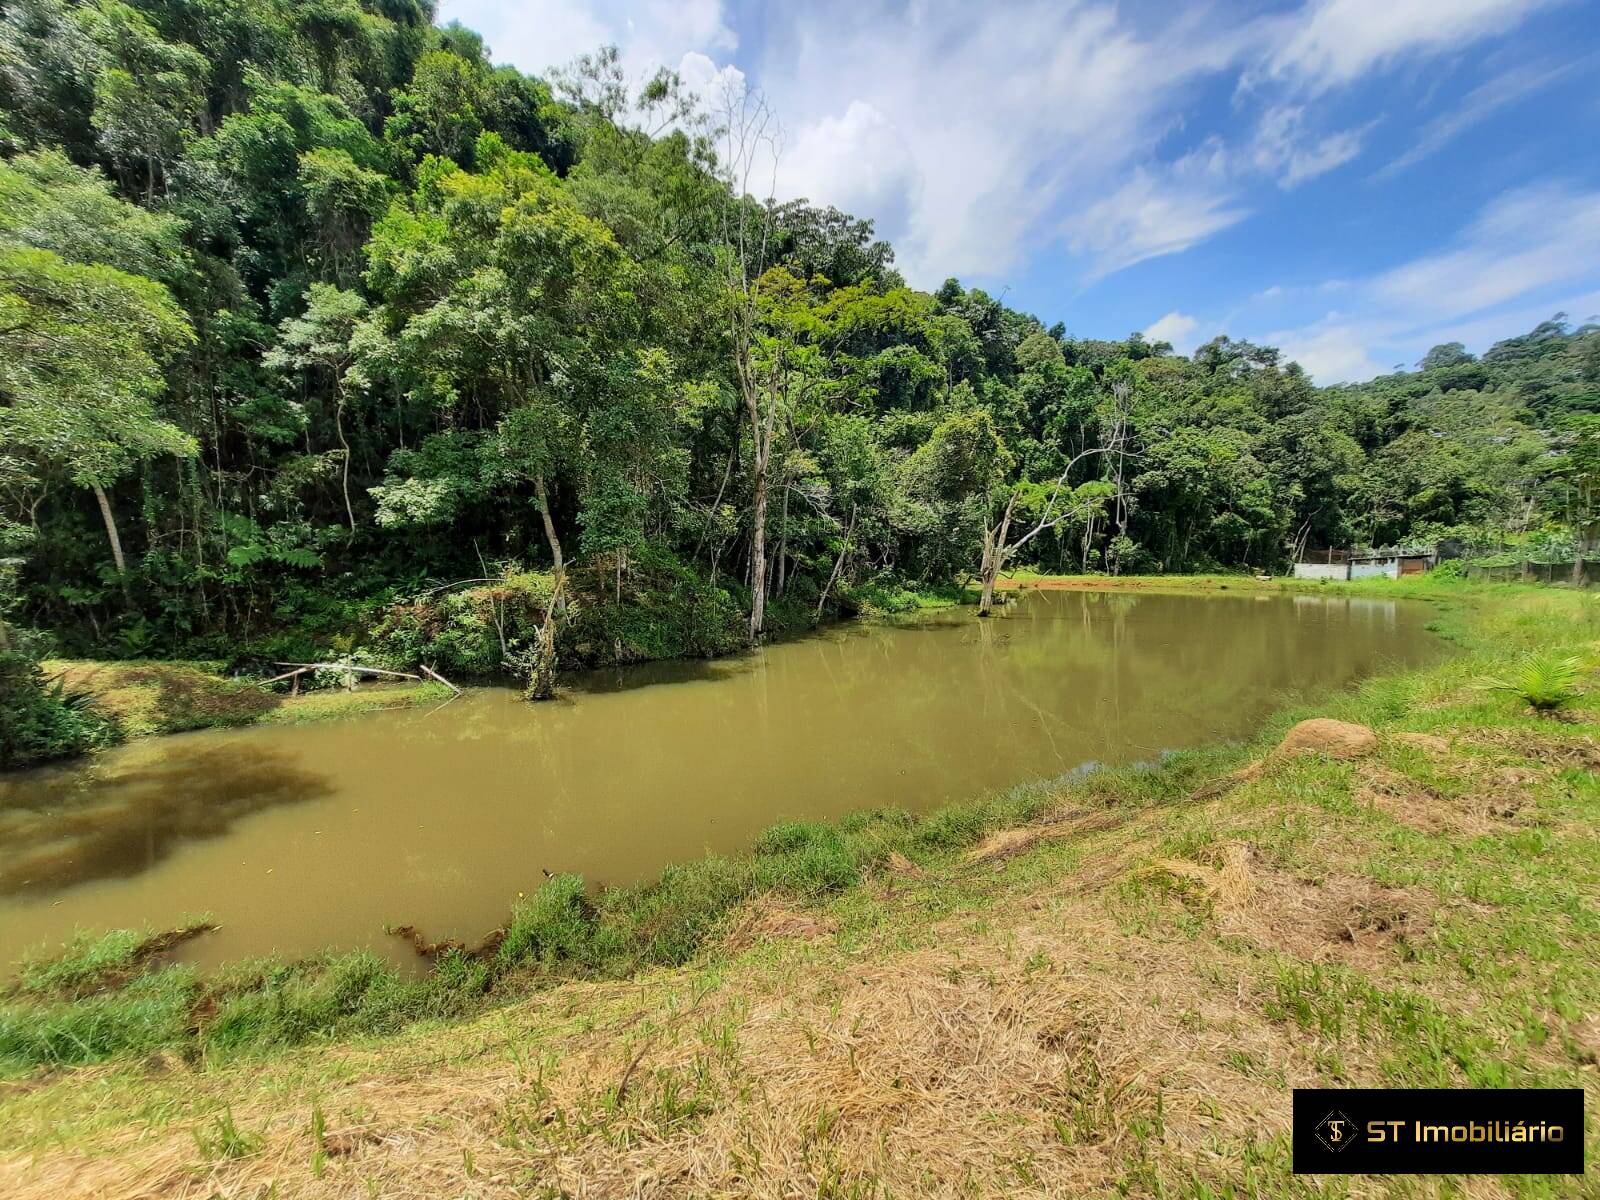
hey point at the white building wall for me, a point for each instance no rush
(1388, 568)
(1322, 570)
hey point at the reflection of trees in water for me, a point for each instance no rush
(59, 828)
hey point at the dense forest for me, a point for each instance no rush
(322, 335)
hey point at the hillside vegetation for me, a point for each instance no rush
(322, 335)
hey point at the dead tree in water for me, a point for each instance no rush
(537, 663)
(998, 545)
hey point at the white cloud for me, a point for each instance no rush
(1531, 253)
(537, 35)
(1147, 216)
(986, 123)
(1528, 239)
(981, 138)
(1333, 42)
(1284, 148)
(857, 161)
(1481, 103)
(1177, 328)
(1331, 351)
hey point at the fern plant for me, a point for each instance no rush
(1547, 682)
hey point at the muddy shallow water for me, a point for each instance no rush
(299, 838)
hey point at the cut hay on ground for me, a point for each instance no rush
(880, 1078)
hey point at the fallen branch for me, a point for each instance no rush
(352, 667)
(438, 678)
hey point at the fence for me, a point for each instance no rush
(1536, 572)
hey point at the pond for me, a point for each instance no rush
(300, 838)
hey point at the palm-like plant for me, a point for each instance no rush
(1548, 682)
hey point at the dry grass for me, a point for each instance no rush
(1552, 749)
(769, 917)
(1337, 918)
(1421, 807)
(1117, 1000)
(1037, 1064)
(1048, 1050)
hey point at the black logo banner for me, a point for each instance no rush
(1394, 1131)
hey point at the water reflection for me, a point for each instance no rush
(62, 826)
(297, 838)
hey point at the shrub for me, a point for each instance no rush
(1547, 682)
(459, 632)
(41, 719)
(666, 610)
(668, 920)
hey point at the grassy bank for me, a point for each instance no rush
(144, 698)
(1106, 984)
(123, 700)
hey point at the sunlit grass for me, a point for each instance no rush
(1486, 840)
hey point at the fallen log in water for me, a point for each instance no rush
(351, 667)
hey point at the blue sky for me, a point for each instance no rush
(1353, 180)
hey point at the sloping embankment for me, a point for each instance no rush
(1118, 996)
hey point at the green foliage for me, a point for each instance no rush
(555, 924)
(309, 312)
(222, 1139)
(149, 1013)
(469, 631)
(82, 963)
(670, 611)
(1546, 682)
(41, 719)
(80, 351)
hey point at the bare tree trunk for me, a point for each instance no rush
(783, 540)
(998, 548)
(338, 424)
(838, 565)
(1584, 548)
(542, 668)
(758, 547)
(987, 572)
(994, 556)
(542, 497)
(750, 134)
(111, 529)
(542, 679)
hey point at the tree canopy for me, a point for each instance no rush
(318, 311)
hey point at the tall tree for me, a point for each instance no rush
(81, 349)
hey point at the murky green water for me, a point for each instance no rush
(298, 838)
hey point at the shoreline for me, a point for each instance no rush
(144, 698)
(882, 898)
(161, 697)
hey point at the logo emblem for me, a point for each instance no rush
(1336, 1131)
